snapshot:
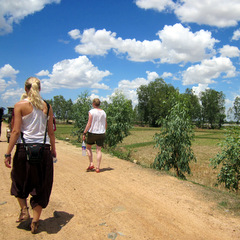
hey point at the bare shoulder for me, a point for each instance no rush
(21, 104)
(45, 108)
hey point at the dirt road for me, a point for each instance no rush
(124, 201)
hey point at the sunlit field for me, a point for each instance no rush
(140, 146)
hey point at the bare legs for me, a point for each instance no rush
(99, 156)
(90, 155)
(24, 214)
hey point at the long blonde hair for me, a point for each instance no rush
(33, 86)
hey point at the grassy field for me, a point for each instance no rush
(139, 147)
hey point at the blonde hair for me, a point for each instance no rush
(24, 95)
(96, 102)
(32, 84)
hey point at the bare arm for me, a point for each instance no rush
(15, 132)
(87, 126)
(51, 132)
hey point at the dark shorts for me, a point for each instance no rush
(31, 179)
(93, 138)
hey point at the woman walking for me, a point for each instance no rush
(31, 118)
(96, 128)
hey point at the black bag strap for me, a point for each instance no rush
(45, 135)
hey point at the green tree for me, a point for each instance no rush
(174, 142)
(155, 100)
(213, 110)
(80, 113)
(62, 109)
(229, 160)
(191, 101)
(119, 119)
(236, 109)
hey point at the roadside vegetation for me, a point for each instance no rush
(177, 133)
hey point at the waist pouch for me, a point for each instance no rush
(34, 152)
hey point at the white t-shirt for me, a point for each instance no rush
(98, 125)
(34, 126)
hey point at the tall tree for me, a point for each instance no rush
(62, 109)
(213, 110)
(155, 100)
(193, 105)
(236, 109)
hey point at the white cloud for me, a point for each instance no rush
(177, 44)
(74, 34)
(11, 96)
(155, 4)
(236, 35)
(95, 42)
(166, 75)
(12, 11)
(220, 13)
(208, 70)
(42, 73)
(229, 51)
(7, 76)
(200, 88)
(129, 88)
(75, 73)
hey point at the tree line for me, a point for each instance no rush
(155, 101)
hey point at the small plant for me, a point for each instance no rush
(174, 142)
(229, 160)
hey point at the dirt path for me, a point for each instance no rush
(124, 201)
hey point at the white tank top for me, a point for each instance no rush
(34, 126)
(98, 125)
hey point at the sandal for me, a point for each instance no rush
(90, 168)
(97, 170)
(34, 227)
(24, 215)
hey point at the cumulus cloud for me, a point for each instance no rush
(12, 95)
(200, 88)
(179, 44)
(129, 88)
(208, 70)
(155, 4)
(166, 75)
(7, 76)
(220, 13)
(75, 73)
(42, 73)
(13, 11)
(236, 35)
(229, 51)
(176, 44)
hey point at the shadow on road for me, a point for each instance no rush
(50, 225)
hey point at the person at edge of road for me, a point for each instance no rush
(96, 128)
(1, 119)
(30, 118)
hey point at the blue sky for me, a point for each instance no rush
(109, 45)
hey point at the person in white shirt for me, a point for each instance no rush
(96, 128)
(30, 119)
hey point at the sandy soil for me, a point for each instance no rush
(124, 201)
